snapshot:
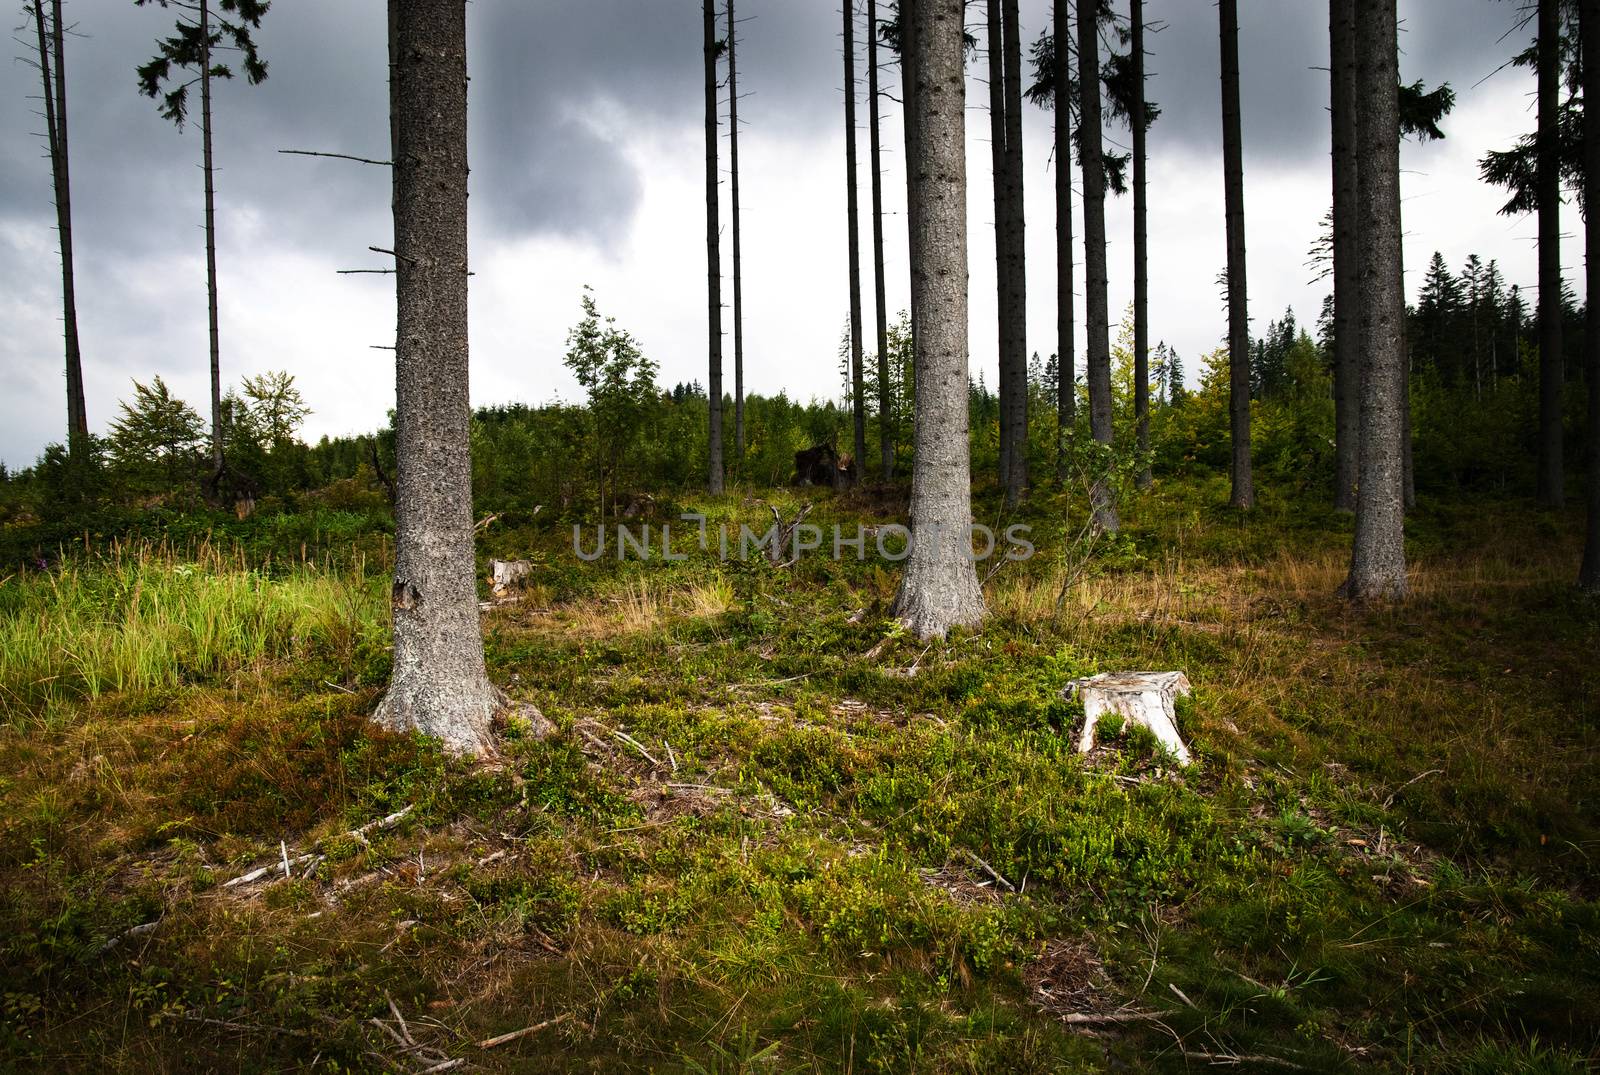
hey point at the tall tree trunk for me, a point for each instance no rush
(713, 257)
(1244, 493)
(1346, 271)
(738, 277)
(875, 149)
(1141, 245)
(939, 589)
(858, 387)
(1378, 559)
(1097, 320)
(1002, 245)
(211, 243)
(1408, 479)
(1551, 489)
(53, 74)
(908, 83)
(1589, 573)
(439, 685)
(1016, 255)
(1066, 364)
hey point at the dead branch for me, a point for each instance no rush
(490, 1043)
(336, 156)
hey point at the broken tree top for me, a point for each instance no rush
(1144, 698)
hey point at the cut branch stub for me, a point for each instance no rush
(1144, 698)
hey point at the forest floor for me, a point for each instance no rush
(772, 833)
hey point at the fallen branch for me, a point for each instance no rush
(128, 934)
(992, 872)
(635, 744)
(490, 1043)
(1092, 1018)
(287, 862)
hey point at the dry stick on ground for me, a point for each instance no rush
(991, 871)
(357, 834)
(490, 1043)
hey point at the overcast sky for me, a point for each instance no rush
(588, 168)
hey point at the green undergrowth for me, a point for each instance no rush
(774, 833)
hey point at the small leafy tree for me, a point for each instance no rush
(156, 439)
(621, 383)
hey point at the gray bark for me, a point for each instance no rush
(211, 242)
(1244, 493)
(880, 295)
(1097, 322)
(1551, 490)
(1015, 255)
(439, 685)
(908, 89)
(1141, 244)
(1378, 561)
(1066, 363)
(1589, 573)
(738, 276)
(1002, 260)
(939, 589)
(858, 389)
(1346, 273)
(53, 74)
(713, 257)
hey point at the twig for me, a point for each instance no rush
(991, 871)
(336, 156)
(395, 1009)
(490, 1043)
(283, 849)
(635, 744)
(702, 787)
(672, 757)
(1238, 1059)
(1091, 1018)
(127, 934)
(357, 834)
(1427, 772)
(335, 686)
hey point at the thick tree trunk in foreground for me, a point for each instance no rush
(1016, 355)
(1066, 363)
(880, 295)
(738, 276)
(1551, 489)
(1378, 559)
(1097, 322)
(939, 589)
(53, 75)
(211, 243)
(1141, 245)
(858, 388)
(713, 257)
(439, 685)
(1346, 273)
(1244, 491)
(1589, 574)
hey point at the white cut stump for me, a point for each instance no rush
(1144, 698)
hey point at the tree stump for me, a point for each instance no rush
(1144, 698)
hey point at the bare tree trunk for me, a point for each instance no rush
(1066, 364)
(713, 256)
(1002, 260)
(211, 243)
(858, 388)
(1141, 245)
(1244, 493)
(939, 589)
(1408, 481)
(1015, 255)
(1551, 488)
(1589, 573)
(885, 412)
(1378, 559)
(738, 277)
(54, 80)
(1346, 272)
(439, 685)
(908, 86)
(1097, 321)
